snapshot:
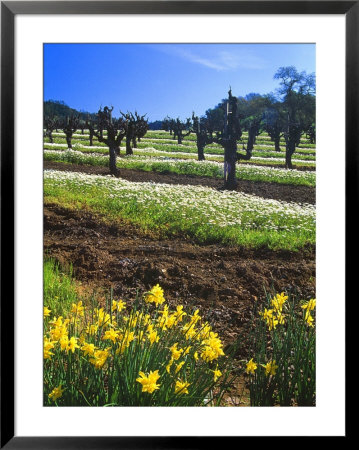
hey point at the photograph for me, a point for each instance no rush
(179, 224)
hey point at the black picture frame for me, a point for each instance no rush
(9, 9)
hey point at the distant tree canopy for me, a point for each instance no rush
(156, 125)
(61, 111)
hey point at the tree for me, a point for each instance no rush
(203, 133)
(69, 126)
(227, 138)
(274, 121)
(297, 90)
(130, 131)
(50, 125)
(179, 127)
(141, 127)
(311, 133)
(167, 125)
(90, 126)
(115, 133)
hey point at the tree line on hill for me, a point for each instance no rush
(288, 114)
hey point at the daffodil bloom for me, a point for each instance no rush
(278, 301)
(56, 322)
(111, 335)
(310, 305)
(155, 296)
(181, 387)
(195, 317)
(204, 333)
(153, 337)
(179, 313)
(88, 349)
(176, 353)
(64, 342)
(56, 393)
(99, 358)
(170, 321)
(280, 318)
(189, 331)
(216, 373)
(213, 347)
(251, 367)
(102, 318)
(46, 311)
(168, 367)
(125, 341)
(78, 309)
(267, 314)
(72, 345)
(91, 329)
(48, 346)
(309, 319)
(270, 367)
(118, 306)
(179, 366)
(272, 323)
(58, 329)
(149, 383)
(269, 318)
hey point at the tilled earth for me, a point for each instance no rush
(225, 283)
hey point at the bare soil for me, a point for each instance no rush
(224, 282)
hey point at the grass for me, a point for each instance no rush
(59, 288)
(183, 167)
(194, 212)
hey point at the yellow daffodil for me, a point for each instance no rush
(64, 342)
(155, 295)
(111, 335)
(310, 305)
(179, 313)
(251, 367)
(149, 383)
(216, 373)
(99, 358)
(78, 309)
(118, 306)
(46, 311)
(278, 302)
(91, 329)
(212, 348)
(72, 345)
(56, 393)
(270, 368)
(88, 349)
(48, 346)
(125, 341)
(153, 337)
(309, 319)
(181, 387)
(168, 367)
(176, 353)
(179, 366)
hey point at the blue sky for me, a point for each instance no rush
(165, 79)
